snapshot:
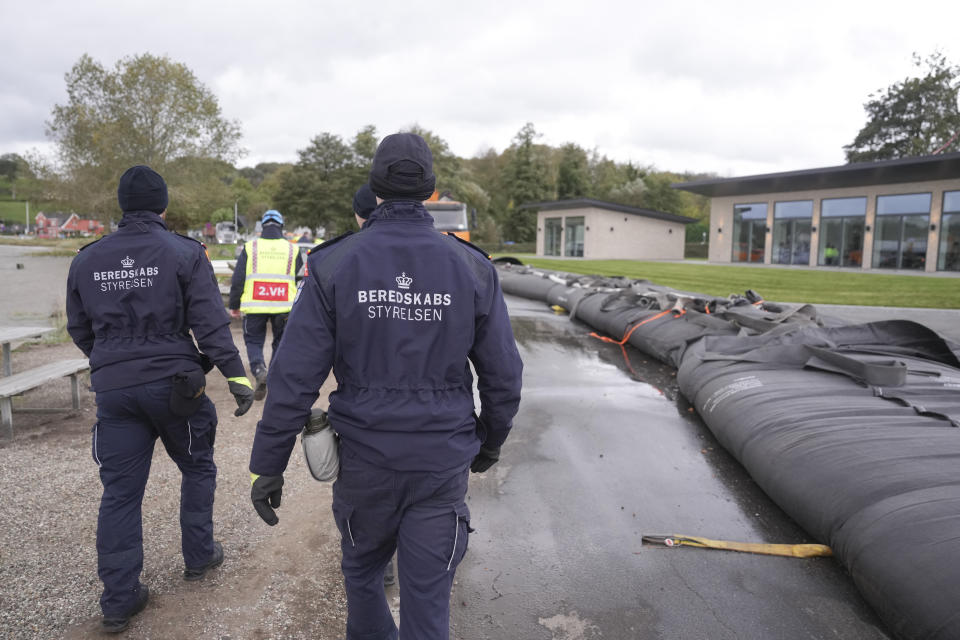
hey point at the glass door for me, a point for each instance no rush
(574, 248)
(950, 242)
(552, 237)
(900, 240)
(831, 239)
(791, 232)
(841, 241)
(949, 254)
(841, 231)
(852, 253)
(913, 253)
(791, 240)
(749, 232)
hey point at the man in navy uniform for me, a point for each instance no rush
(133, 299)
(398, 310)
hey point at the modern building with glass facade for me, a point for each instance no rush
(892, 214)
(598, 230)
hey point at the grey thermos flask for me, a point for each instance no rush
(321, 447)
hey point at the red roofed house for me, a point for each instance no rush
(47, 227)
(74, 226)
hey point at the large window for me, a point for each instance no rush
(574, 243)
(841, 231)
(791, 232)
(900, 239)
(950, 233)
(749, 228)
(553, 231)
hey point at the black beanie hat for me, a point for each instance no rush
(142, 189)
(403, 168)
(364, 202)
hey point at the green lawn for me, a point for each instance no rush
(777, 284)
(222, 251)
(16, 211)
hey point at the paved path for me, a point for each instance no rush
(596, 460)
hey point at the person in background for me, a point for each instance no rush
(262, 288)
(133, 299)
(398, 311)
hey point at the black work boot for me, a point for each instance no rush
(117, 624)
(260, 374)
(197, 573)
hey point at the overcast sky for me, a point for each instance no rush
(735, 88)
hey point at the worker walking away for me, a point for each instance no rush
(133, 299)
(364, 202)
(399, 311)
(262, 287)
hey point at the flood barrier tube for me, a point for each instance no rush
(865, 465)
(854, 431)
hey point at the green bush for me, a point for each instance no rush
(695, 250)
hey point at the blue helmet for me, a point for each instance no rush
(272, 216)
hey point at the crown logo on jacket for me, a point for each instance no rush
(127, 262)
(404, 281)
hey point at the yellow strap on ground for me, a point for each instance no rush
(789, 550)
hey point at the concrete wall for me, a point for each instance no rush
(612, 235)
(721, 217)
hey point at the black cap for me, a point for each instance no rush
(403, 168)
(142, 189)
(364, 201)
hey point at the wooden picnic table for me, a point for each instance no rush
(12, 384)
(12, 334)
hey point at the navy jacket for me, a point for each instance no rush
(398, 311)
(134, 296)
(239, 278)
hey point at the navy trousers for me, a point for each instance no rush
(129, 421)
(420, 515)
(255, 333)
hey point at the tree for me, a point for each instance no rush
(147, 110)
(526, 179)
(631, 193)
(916, 116)
(319, 190)
(606, 176)
(454, 176)
(15, 171)
(486, 170)
(197, 187)
(660, 196)
(573, 172)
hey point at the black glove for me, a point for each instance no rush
(266, 492)
(485, 459)
(243, 392)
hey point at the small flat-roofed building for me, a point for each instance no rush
(888, 214)
(597, 230)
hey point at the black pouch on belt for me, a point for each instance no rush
(186, 394)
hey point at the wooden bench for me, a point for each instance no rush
(224, 268)
(19, 383)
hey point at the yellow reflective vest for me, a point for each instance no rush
(269, 286)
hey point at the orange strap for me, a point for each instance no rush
(634, 327)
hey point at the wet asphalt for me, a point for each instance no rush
(599, 456)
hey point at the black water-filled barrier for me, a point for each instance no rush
(854, 431)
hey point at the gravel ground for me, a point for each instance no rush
(276, 582)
